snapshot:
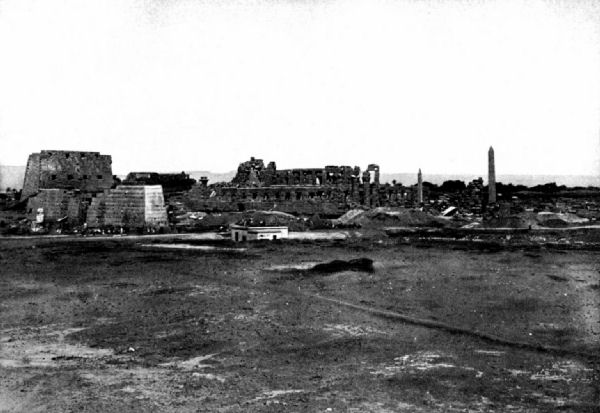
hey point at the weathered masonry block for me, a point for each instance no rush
(85, 171)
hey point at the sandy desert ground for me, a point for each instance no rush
(129, 325)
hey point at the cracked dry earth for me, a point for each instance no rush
(116, 326)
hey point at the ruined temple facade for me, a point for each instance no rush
(69, 170)
(76, 188)
(253, 173)
(331, 190)
(61, 184)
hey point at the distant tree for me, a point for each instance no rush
(430, 186)
(549, 188)
(453, 186)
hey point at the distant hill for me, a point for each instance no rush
(11, 177)
(213, 177)
(411, 178)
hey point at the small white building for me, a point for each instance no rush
(248, 233)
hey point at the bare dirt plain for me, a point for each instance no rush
(102, 325)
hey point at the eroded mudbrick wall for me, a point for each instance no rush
(85, 171)
(31, 184)
(155, 212)
(128, 206)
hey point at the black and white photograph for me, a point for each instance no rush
(354, 206)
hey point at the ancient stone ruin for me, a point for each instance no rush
(329, 191)
(78, 187)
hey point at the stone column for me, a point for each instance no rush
(491, 177)
(420, 188)
(367, 188)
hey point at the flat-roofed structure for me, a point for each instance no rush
(253, 233)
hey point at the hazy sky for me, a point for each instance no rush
(186, 85)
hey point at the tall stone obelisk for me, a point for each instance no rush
(491, 177)
(420, 187)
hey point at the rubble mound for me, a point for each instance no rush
(272, 219)
(359, 264)
(512, 221)
(269, 218)
(559, 220)
(189, 218)
(206, 221)
(386, 216)
(536, 220)
(554, 223)
(349, 217)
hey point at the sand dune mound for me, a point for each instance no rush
(387, 216)
(536, 220)
(557, 220)
(269, 218)
(512, 221)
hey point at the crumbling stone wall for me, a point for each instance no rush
(249, 173)
(57, 205)
(373, 170)
(472, 198)
(85, 171)
(53, 201)
(254, 173)
(31, 183)
(155, 213)
(96, 211)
